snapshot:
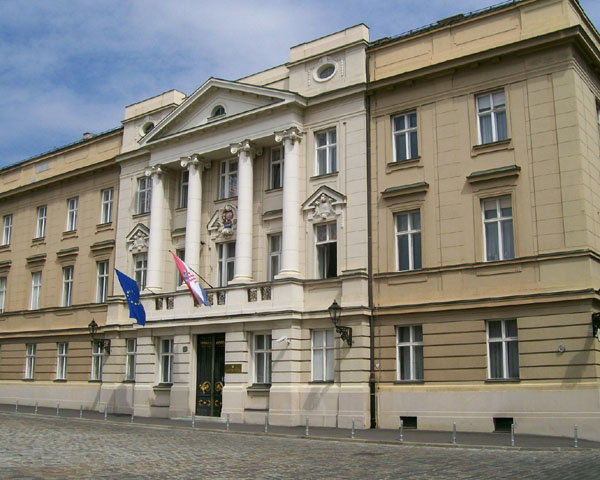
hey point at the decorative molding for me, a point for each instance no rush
(420, 187)
(293, 133)
(246, 146)
(36, 260)
(196, 160)
(154, 170)
(67, 254)
(5, 266)
(494, 173)
(137, 239)
(223, 223)
(323, 205)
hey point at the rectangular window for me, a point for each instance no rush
(67, 292)
(101, 281)
(408, 241)
(183, 188)
(326, 151)
(326, 242)
(72, 204)
(166, 361)
(61, 361)
(405, 137)
(107, 204)
(97, 360)
(36, 290)
(276, 171)
(30, 360)
(2, 293)
(228, 179)
(498, 228)
(322, 355)
(144, 195)
(226, 263)
(262, 358)
(491, 113)
(7, 229)
(503, 349)
(180, 252)
(140, 266)
(40, 226)
(274, 255)
(409, 345)
(131, 359)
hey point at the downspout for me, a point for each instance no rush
(370, 258)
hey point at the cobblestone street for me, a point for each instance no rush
(60, 448)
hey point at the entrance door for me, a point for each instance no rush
(211, 374)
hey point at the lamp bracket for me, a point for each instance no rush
(345, 334)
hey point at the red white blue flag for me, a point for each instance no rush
(191, 281)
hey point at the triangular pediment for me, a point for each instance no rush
(218, 102)
(324, 204)
(137, 239)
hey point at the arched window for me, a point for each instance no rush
(218, 111)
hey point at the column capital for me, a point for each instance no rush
(293, 133)
(154, 170)
(196, 161)
(246, 146)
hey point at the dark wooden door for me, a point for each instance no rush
(211, 374)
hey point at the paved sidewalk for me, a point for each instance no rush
(410, 437)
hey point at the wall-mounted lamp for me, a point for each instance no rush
(102, 343)
(335, 311)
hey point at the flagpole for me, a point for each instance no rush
(196, 273)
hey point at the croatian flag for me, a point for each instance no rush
(191, 281)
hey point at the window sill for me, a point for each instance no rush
(224, 200)
(404, 164)
(60, 380)
(324, 175)
(69, 234)
(181, 209)
(38, 241)
(259, 388)
(162, 387)
(104, 227)
(321, 382)
(141, 215)
(94, 381)
(491, 147)
(5, 248)
(503, 380)
(273, 190)
(409, 382)
(128, 381)
(28, 379)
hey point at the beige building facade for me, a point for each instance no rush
(56, 260)
(485, 147)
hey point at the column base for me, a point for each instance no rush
(152, 290)
(287, 274)
(240, 280)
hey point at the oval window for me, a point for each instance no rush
(145, 130)
(326, 71)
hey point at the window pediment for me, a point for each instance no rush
(137, 239)
(324, 204)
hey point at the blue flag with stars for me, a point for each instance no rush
(132, 294)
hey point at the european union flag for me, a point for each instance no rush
(132, 294)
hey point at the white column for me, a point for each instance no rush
(157, 221)
(194, 210)
(243, 246)
(291, 202)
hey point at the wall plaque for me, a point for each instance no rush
(233, 368)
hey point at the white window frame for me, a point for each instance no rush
(327, 150)
(321, 248)
(166, 354)
(502, 223)
(494, 112)
(131, 359)
(101, 281)
(263, 375)
(40, 226)
(408, 132)
(107, 197)
(62, 350)
(3, 282)
(274, 257)
(415, 348)
(184, 182)
(413, 234)
(140, 269)
(180, 252)
(68, 274)
(36, 290)
(7, 229)
(30, 349)
(144, 195)
(72, 206)
(504, 339)
(97, 360)
(228, 178)
(276, 168)
(223, 263)
(327, 349)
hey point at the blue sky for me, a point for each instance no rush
(70, 67)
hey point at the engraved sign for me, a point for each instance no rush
(233, 368)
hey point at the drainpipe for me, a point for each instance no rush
(370, 257)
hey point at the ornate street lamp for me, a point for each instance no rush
(103, 344)
(335, 311)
